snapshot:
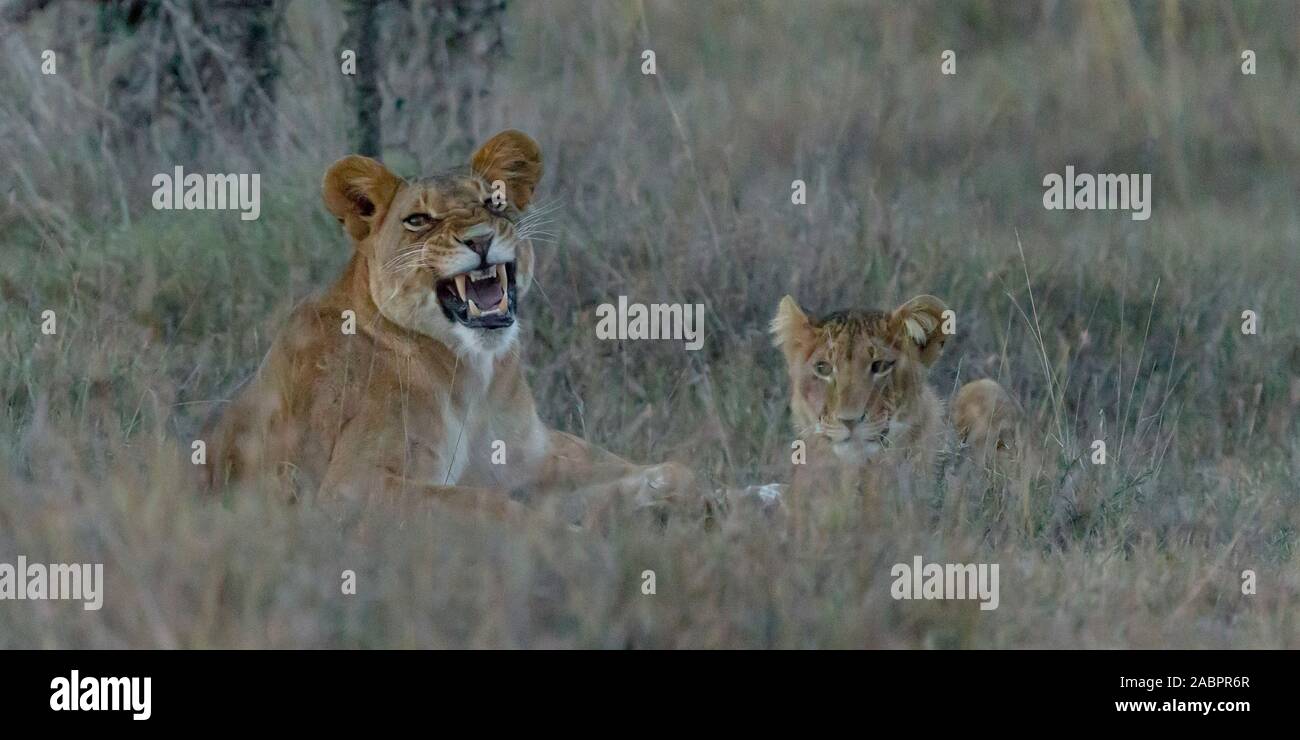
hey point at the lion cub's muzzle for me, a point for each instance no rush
(480, 299)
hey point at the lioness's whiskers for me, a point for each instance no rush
(538, 212)
(534, 234)
(543, 207)
(404, 253)
(533, 228)
(400, 269)
(404, 266)
(408, 257)
(539, 224)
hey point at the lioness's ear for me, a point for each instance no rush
(358, 191)
(513, 158)
(917, 324)
(791, 328)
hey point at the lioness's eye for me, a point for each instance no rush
(417, 221)
(880, 367)
(822, 369)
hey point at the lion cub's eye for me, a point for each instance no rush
(822, 369)
(417, 222)
(880, 367)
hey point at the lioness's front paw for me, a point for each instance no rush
(664, 483)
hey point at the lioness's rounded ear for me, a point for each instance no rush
(513, 158)
(791, 329)
(918, 324)
(358, 191)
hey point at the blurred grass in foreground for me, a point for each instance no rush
(918, 183)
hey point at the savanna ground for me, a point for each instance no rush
(676, 188)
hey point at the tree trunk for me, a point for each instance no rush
(363, 95)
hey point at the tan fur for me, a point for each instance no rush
(867, 424)
(985, 418)
(414, 401)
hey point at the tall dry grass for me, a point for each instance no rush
(676, 188)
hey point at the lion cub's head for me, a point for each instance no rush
(857, 377)
(444, 257)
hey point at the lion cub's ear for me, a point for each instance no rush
(358, 191)
(917, 324)
(791, 329)
(513, 158)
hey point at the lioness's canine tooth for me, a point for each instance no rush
(473, 309)
(504, 304)
(460, 285)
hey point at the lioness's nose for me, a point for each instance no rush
(849, 419)
(479, 244)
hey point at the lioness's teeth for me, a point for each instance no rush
(460, 285)
(483, 274)
(502, 275)
(473, 309)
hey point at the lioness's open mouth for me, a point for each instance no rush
(480, 299)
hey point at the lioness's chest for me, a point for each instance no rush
(473, 434)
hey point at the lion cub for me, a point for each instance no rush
(985, 419)
(859, 397)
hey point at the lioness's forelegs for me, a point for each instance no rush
(570, 471)
(394, 490)
(606, 480)
(390, 488)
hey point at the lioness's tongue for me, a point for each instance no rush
(485, 293)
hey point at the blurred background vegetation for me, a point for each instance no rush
(673, 187)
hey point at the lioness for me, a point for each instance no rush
(426, 395)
